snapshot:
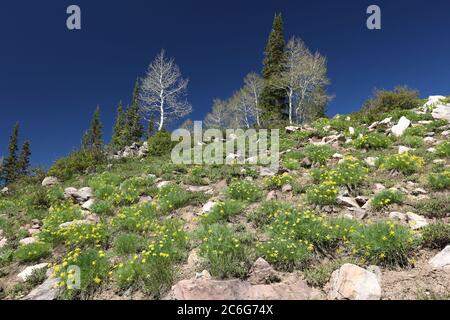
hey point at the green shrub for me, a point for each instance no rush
(411, 141)
(291, 164)
(385, 101)
(103, 208)
(94, 269)
(323, 194)
(160, 144)
(372, 141)
(225, 251)
(82, 235)
(443, 149)
(285, 253)
(32, 252)
(172, 197)
(268, 210)
(436, 235)
(278, 181)
(128, 243)
(386, 198)
(244, 190)
(434, 208)
(384, 243)
(405, 163)
(439, 180)
(76, 163)
(318, 153)
(222, 212)
(137, 218)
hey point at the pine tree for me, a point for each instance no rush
(96, 130)
(273, 100)
(118, 139)
(23, 163)
(135, 128)
(10, 166)
(92, 138)
(151, 126)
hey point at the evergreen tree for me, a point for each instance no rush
(10, 166)
(23, 163)
(135, 128)
(118, 139)
(273, 100)
(151, 126)
(93, 137)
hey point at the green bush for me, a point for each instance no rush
(278, 181)
(386, 198)
(225, 251)
(160, 144)
(434, 208)
(372, 141)
(244, 190)
(384, 243)
(222, 212)
(323, 194)
(128, 243)
(405, 163)
(411, 141)
(385, 101)
(436, 235)
(32, 252)
(268, 210)
(172, 197)
(77, 163)
(103, 208)
(439, 180)
(318, 153)
(443, 149)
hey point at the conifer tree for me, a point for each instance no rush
(10, 166)
(23, 163)
(93, 137)
(151, 126)
(118, 138)
(273, 100)
(135, 128)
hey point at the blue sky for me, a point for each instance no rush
(51, 78)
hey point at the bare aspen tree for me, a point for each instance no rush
(163, 90)
(219, 117)
(304, 73)
(253, 85)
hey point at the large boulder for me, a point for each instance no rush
(400, 127)
(351, 282)
(204, 288)
(442, 259)
(45, 291)
(79, 196)
(49, 181)
(441, 112)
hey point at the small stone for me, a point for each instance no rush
(371, 161)
(305, 163)
(88, 204)
(401, 127)
(162, 184)
(49, 181)
(378, 187)
(286, 188)
(398, 216)
(266, 172)
(3, 242)
(26, 241)
(207, 207)
(445, 133)
(32, 232)
(145, 199)
(272, 195)
(351, 130)
(429, 140)
(338, 156)
(262, 272)
(416, 221)
(403, 149)
(348, 202)
(419, 191)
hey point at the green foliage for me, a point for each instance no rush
(77, 163)
(118, 139)
(137, 218)
(222, 212)
(160, 144)
(244, 190)
(318, 153)
(323, 194)
(434, 208)
(172, 197)
(411, 141)
(128, 243)
(384, 243)
(267, 211)
(94, 267)
(225, 251)
(405, 163)
(439, 180)
(32, 252)
(9, 170)
(93, 138)
(386, 198)
(102, 208)
(443, 149)
(278, 181)
(384, 101)
(436, 235)
(23, 162)
(285, 253)
(82, 235)
(372, 141)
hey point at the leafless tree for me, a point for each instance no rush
(304, 73)
(163, 90)
(220, 115)
(253, 85)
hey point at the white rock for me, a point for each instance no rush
(49, 181)
(442, 259)
(400, 127)
(433, 100)
(266, 172)
(75, 222)
(5, 190)
(348, 202)
(45, 291)
(88, 204)
(416, 221)
(286, 188)
(386, 121)
(338, 156)
(3, 242)
(441, 112)
(429, 140)
(431, 150)
(378, 187)
(207, 207)
(397, 216)
(445, 133)
(351, 282)
(162, 184)
(373, 125)
(403, 149)
(371, 161)
(26, 241)
(351, 130)
(439, 161)
(28, 271)
(292, 129)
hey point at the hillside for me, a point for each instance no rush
(359, 209)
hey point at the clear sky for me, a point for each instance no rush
(51, 78)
